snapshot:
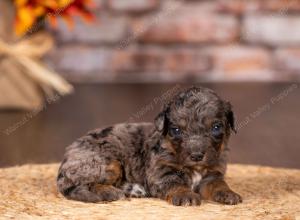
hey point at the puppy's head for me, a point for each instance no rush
(195, 125)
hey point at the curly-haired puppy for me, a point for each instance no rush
(181, 158)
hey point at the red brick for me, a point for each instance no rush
(238, 6)
(150, 62)
(98, 4)
(188, 27)
(105, 29)
(243, 6)
(158, 77)
(241, 63)
(156, 59)
(272, 30)
(281, 6)
(135, 6)
(287, 61)
(81, 59)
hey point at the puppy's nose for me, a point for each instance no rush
(197, 157)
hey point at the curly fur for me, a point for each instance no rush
(178, 158)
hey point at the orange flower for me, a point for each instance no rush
(29, 12)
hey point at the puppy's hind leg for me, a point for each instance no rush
(107, 193)
(94, 193)
(98, 188)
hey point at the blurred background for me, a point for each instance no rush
(132, 54)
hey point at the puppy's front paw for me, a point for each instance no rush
(184, 198)
(227, 197)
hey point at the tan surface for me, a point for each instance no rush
(29, 192)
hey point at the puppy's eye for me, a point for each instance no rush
(217, 129)
(175, 132)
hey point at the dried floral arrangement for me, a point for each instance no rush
(29, 12)
(25, 83)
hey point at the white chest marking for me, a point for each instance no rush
(196, 178)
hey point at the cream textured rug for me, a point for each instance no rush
(29, 192)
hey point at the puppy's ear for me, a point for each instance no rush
(230, 116)
(161, 121)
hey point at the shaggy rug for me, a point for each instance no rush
(29, 192)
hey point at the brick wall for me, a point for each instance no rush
(191, 40)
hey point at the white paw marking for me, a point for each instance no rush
(134, 190)
(138, 191)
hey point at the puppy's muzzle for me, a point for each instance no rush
(198, 148)
(196, 157)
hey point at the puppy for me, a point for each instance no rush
(181, 158)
